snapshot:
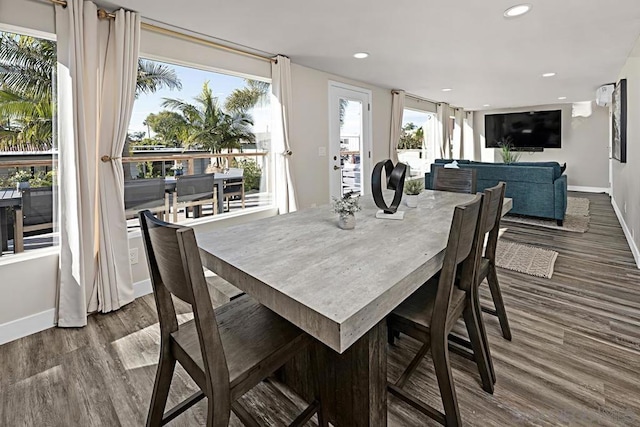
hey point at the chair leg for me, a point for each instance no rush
(216, 416)
(323, 391)
(18, 232)
(164, 374)
(494, 287)
(440, 355)
(482, 356)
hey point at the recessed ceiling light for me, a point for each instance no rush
(562, 97)
(548, 74)
(447, 89)
(517, 10)
(487, 105)
(360, 55)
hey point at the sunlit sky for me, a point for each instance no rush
(192, 80)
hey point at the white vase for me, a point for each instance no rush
(412, 200)
(347, 222)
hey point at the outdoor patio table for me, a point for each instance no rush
(9, 198)
(338, 286)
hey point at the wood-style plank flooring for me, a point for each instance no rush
(574, 359)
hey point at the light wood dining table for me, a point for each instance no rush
(338, 286)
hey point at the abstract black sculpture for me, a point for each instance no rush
(395, 181)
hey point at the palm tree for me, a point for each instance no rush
(242, 100)
(26, 76)
(209, 126)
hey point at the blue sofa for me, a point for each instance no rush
(538, 189)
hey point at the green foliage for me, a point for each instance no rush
(242, 100)
(21, 176)
(252, 174)
(170, 127)
(41, 179)
(153, 76)
(413, 187)
(347, 205)
(136, 136)
(209, 126)
(508, 156)
(146, 170)
(412, 137)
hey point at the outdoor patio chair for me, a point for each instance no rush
(233, 187)
(35, 214)
(141, 194)
(194, 191)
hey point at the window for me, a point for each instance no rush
(190, 126)
(417, 147)
(27, 143)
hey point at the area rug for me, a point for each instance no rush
(525, 259)
(576, 218)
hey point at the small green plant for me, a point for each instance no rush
(21, 176)
(347, 205)
(413, 187)
(41, 179)
(252, 174)
(506, 152)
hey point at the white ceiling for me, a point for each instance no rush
(425, 46)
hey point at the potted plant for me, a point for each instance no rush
(346, 207)
(21, 178)
(412, 188)
(506, 152)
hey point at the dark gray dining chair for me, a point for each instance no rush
(458, 180)
(35, 214)
(147, 194)
(226, 351)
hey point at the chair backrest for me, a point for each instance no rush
(459, 252)
(37, 206)
(194, 187)
(176, 269)
(143, 193)
(494, 199)
(461, 180)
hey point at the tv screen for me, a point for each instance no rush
(535, 129)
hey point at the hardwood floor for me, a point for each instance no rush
(574, 358)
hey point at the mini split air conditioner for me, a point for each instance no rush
(604, 95)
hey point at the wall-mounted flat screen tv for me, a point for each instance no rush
(531, 130)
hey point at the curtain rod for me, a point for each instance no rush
(103, 14)
(418, 98)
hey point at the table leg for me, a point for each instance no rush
(357, 379)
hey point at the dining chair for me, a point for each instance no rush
(194, 191)
(458, 180)
(226, 351)
(493, 199)
(431, 312)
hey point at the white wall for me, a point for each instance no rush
(310, 130)
(626, 176)
(585, 142)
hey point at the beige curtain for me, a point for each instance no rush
(468, 138)
(442, 133)
(281, 102)
(457, 148)
(95, 93)
(397, 110)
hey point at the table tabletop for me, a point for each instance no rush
(10, 197)
(335, 284)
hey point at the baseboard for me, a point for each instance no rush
(587, 189)
(627, 233)
(142, 288)
(38, 322)
(27, 325)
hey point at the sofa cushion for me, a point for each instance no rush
(557, 171)
(500, 172)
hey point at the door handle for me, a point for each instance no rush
(335, 168)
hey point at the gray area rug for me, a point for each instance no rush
(576, 218)
(525, 259)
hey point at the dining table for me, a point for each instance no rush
(338, 286)
(10, 198)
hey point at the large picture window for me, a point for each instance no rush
(417, 146)
(198, 144)
(27, 143)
